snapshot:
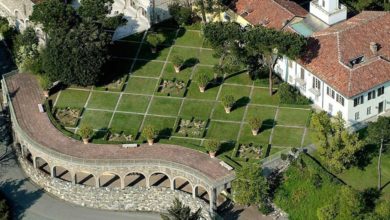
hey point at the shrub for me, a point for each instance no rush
(4, 209)
(86, 131)
(266, 208)
(382, 209)
(44, 82)
(316, 180)
(212, 145)
(177, 61)
(149, 132)
(228, 101)
(290, 95)
(203, 79)
(283, 157)
(182, 15)
(155, 39)
(255, 123)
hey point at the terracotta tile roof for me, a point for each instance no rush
(270, 13)
(346, 41)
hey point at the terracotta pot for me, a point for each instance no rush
(153, 49)
(46, 93)
(212, 154)
(255, 132)
(150, 142)
(177, 68)
(228, 110)
(85, 140)
(202, 89)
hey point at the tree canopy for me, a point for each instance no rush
(337, 147)
(179, 211)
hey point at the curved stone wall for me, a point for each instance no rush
(155, 199)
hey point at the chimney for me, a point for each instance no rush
(374, 48)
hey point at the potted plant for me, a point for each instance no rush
(86, 133)
(203, 79)
(154, 40)
(212, 146)
(228, 103)
(149, 133)
(177, 63)
(45, 84)
(255, 124)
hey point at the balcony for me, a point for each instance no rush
(315, 91)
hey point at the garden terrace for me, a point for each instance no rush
(143, 99)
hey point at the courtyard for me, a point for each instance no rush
(146, 91)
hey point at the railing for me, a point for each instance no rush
(105, 162)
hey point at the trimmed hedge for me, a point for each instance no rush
(291, 95)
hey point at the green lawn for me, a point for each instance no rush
(72, 98)
(140, 101)
(133, 103)
(165, 106)
(128, 123)
(287, 116)
(288, 137)
(141, 85)
(90, 116)
(147, 68)
(103, 100)
(367, 177)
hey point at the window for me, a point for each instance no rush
(340, 99)
(369, 110)
(357, 116)
(371, 95)
(357, 101)
(290, 64)
(302, 73)
(323, 3)
(330, 108)
(330, 92)
(381, 91)
(316, 83)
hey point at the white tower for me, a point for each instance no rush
(329, 11)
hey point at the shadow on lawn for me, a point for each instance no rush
(242, 102)
(267, 124)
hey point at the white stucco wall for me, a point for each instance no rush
(330, 17)
(326, 102)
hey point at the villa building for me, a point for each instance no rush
(140, 14)
(349, 71)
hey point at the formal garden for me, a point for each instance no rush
(148, 91)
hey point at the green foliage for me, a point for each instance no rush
(328, 212)
(255, 123)
(212, 145)
(97, 10)
(155, 39)
(379, 130)
(250, 186)
(149, 132)
(228, 101)
(44, 82)
(26, 51)
(4, 209)
(290, 95)
(374, 5)
(86, 131)
(179, 211)
(337, 147)
(298, 196)
(54, 15)
(202, 79)
(382, 209)
(181, 14)
(78, 56)
(177, 60)
(220, 34)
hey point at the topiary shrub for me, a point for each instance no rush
(177, 62)
(255, 124)
(290, 95)
(228, 102)
(149, 133)
(86, 132)
(154, 40)
(203, 80)
(212, 146)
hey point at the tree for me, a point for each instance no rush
(228, 102)
(327, 212)
(337, 147)
(382, 209)
(255, 124)
(97, 11)
(154, 40)
(181, 14)
(203, 80)
(149, 132)
(78, 56)
(26, 50)
(250, 186)
(179, 211)
(212, 146)
(54, 15)
(379, 133)
(273, 44)
(350, 203)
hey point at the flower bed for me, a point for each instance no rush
(191, 127)
(250, 151)
(172, 87)
(67, 117)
